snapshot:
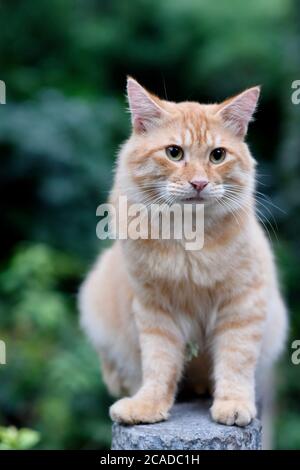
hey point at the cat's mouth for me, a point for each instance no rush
(193, 199)
(197, 198)
(207, 200)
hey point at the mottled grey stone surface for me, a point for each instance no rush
(189, 428)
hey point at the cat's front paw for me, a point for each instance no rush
(239, 412)
(136, 410)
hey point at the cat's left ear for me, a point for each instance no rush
(238, 111)
(146, 111)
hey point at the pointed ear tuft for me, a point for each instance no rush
(144, 107)
(237, 112)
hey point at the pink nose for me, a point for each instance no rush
(199, 185)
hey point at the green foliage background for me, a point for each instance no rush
(64, 63)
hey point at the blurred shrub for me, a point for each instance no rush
(88, 46)
(57, 167)
(51, 380)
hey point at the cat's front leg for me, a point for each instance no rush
(236, 348)
(162, 352)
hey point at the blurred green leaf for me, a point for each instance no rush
(18, 439)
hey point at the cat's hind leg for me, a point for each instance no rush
(112, 378)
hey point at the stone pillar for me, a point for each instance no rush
(189, 427)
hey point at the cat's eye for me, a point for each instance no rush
(175, 153)
(217, 155)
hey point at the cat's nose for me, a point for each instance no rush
(199, 185)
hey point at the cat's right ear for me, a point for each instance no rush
(237, 112)
(145, 109)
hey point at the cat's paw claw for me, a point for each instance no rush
(230, 412)
(134, 411)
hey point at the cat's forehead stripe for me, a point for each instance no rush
(188, 137)
(217, 142)
(209, 139)
(202, 131)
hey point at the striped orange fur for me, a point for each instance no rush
(144, 301)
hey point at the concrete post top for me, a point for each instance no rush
(189, 427)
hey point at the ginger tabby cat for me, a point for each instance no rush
(144, 301)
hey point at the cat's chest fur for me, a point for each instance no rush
(170, 262)
(189, 285)
(183, 282)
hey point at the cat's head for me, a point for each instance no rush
(188, 152)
